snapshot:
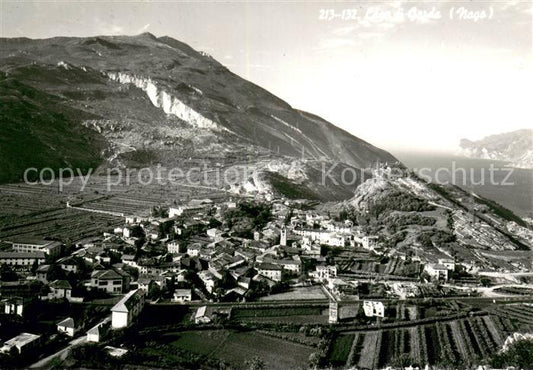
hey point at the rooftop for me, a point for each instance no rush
(68, 322)
(96, 329)
(268, 266)
(39, 255)
(22, 339)
(43, 268)
(31, 240)
(116, 352)
(106, 275)
(69, 260)
(60, 284)
(436, 266)
(128, 301)
(200, 312)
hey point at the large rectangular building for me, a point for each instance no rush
(127, 309)
(49, 247)
(21, 258)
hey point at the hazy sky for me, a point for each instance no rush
(399, 74)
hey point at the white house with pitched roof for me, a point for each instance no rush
(67, 326)
(127, 309)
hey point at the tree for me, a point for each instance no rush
(154, 292)
(34, 266)
(257, 289)
(288, 217)
(44, 290)
(213, 222)
(139, 243)
(519, 354)
(171, 285)
(137, 232)
(36, 286)
(343, 215)
(227, 281)
(279, 287)
(132, 271)
(314, 360)
(157, 212)
(255, 363)
(7, 273)
(165, 227)
(91, 356)
(55, 272)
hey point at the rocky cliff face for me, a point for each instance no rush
(515, 147)
(164, 100)
(156, 100)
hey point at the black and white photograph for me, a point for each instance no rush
(266, 184)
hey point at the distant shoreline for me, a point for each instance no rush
(517, 198)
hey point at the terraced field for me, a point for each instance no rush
(514, 315)
(65, 224)
(41, 210)
(393, 267)
(455, 343)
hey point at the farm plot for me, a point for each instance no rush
(411, 312)
(448, 346)
(238, 347)
(397, 266)
(361, 266)
(515, 316)
(371, 345)
(450, 343)
(417, 347)
(514, 290)
(304, 293)
(296, 315)
(294, 319)
(65, 224)
(462, 341)
(464, 349)
(355, 351)
(22, 199)
(395, 345)
(121, 204)
(161, 192)
(340, 349)
(404, 312)
(291, 336)
(139, 199)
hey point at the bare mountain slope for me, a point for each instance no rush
(161, 100)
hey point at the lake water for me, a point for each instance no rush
(511, 187)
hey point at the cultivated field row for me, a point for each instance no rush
(446, 343)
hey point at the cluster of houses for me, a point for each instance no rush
(190, 257)
(116, 263)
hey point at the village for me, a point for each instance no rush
(209, 258)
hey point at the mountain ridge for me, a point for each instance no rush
(515, 147)
(160, 95)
